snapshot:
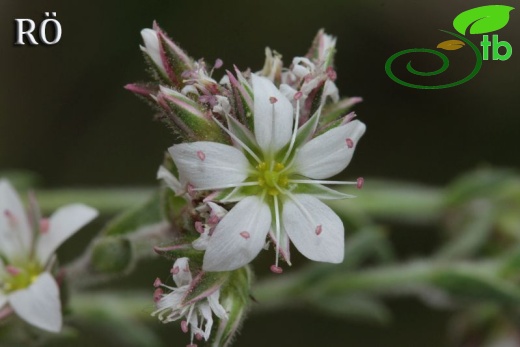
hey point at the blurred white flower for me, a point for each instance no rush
(27, 246)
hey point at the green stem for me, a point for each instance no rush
(107, 201)
(392, 200)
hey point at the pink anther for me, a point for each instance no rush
(44, 225)
(175, 270)
(273, 100)
(276, 269)
(245, 235)
(360, 182)
(201, 155)
(350, 143)
(157, 295)
(184, 326)
(319, 229)
(157, 283)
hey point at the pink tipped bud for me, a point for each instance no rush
(218, 63)
(157, 295)
(360, 182)
(348, 118)
(184, 326)
(298, 95)
(273, 100)
(350, 143)
(157, 283)
(276, 269)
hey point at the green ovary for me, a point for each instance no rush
(23, 279)
(271, 177)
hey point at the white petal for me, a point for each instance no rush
(205, 311)
(181, 272)
(217, 210)
(62, 224)
(171, 181)
(331, 90)
(273, 121)
(316, 231)
(209, 164)
(15, 232)
(151, 47)
(39, 304)
(201, 243)
(239, 236)
(330, 153)
(288, 91)
(215, 305)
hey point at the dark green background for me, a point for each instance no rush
(65, 115)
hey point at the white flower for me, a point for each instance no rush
(276, 176)
(27, 246)
(197, 314)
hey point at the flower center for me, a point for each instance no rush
(271, 177)
(17, 278)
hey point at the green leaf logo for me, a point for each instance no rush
(482, 20)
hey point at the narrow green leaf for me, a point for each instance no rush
(143, 215)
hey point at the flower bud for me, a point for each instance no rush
(235, 300)
(112, 255)
(167, 59)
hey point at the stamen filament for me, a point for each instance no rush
(232, 185)
(277, 227)
(244, 146)
(302, 208)
(321, 182)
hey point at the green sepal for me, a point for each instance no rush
(181, 248)
(205, 284)
(192, 116)
(244, 135)
(177, 61)
(235, 298)
(303, 134)
(155, 71)
(335, 111)
(243, 100)
(320, 191)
